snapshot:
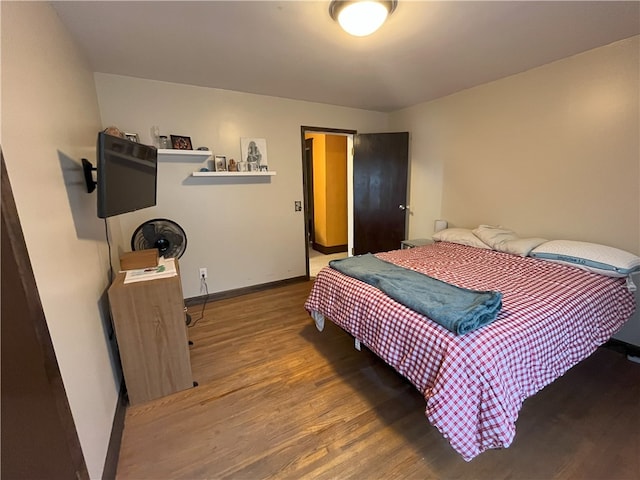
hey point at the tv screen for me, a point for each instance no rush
(126, 175)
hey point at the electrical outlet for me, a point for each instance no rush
(203, 273)
(298, 206)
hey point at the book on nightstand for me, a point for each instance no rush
(166, 268)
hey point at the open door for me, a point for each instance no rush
(39, 438)
(380, 174)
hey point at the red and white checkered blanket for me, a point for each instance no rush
(553, 316)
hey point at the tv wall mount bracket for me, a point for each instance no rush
(88, 170)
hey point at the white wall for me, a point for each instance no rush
(244, 231)
(552, 152)
(49, 122)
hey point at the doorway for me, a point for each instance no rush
(327, 195)
(375, 169)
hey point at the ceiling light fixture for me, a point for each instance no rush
(361, 17)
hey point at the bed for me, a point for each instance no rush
(552, 317)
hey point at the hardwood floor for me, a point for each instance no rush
(278, 399)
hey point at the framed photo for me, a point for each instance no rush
(254, 155)
(181, 143)
(132, 137)
(220, 162)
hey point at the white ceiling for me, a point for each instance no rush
(293, 49)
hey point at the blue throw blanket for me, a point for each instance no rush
(457, 309)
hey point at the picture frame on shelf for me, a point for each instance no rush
(254, 153)
(180, 142)
(220, 163)
(132, 137)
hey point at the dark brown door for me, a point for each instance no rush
(308, 158)
(39, 438)
(380, 170)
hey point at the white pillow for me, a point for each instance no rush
(463, 236)
(504, 240)
(520, 246)
(493, 236)
(593, 257)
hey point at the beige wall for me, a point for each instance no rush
(49, 122)
(245, 232)
(552, 152)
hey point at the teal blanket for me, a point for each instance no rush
(457, 309)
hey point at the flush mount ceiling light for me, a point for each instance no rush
(361, 17)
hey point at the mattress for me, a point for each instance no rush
(553, 316)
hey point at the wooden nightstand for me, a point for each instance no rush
(151, 332)
(416, 242)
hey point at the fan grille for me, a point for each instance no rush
(161, 233)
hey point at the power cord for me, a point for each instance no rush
(106, 234)
(203, 285)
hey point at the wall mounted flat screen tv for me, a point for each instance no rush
(126, 175)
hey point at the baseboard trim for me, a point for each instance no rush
(212, 297)
(115, 441)
(329, 250)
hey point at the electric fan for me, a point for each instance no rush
(165, 235)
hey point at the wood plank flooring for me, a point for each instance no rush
(278, 399)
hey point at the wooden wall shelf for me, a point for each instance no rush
(190, 155)
(233, 174)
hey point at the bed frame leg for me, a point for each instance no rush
(358, 345)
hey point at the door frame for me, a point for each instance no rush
(308, 189)
(329, 131)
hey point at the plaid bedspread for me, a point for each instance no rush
(553, 316)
